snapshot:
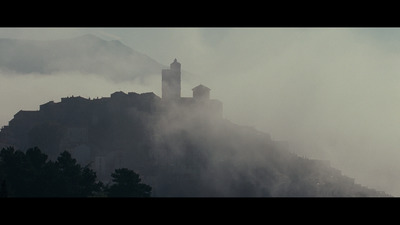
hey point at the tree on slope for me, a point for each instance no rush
(31, 175)
(127, 183)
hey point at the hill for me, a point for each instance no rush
(180, 149)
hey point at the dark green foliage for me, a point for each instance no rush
(3, 189)
(31, 175)
(14, 166)
(127, 183)
(74, 180)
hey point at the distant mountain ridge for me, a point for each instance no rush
(84, 54)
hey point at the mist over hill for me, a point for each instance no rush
(181, 150)
(177, 150)
(85, 54)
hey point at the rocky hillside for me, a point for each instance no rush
(178, 149)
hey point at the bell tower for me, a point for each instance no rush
(171, 82)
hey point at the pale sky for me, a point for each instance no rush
(334, 90)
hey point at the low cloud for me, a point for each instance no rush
(333, 93)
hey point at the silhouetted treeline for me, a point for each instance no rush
(30, 174)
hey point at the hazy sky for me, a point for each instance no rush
(335, 91)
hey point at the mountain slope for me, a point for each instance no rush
(177, 149)
(84, 54)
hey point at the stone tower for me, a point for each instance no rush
(171, 82)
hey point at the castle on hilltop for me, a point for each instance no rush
(79, 124)
(171, 85)
(171, 92)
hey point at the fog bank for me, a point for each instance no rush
(333, 93)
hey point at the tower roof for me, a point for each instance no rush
(201, 87)
(175, 62)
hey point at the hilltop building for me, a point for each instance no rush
(201, 102)
(201, 93)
